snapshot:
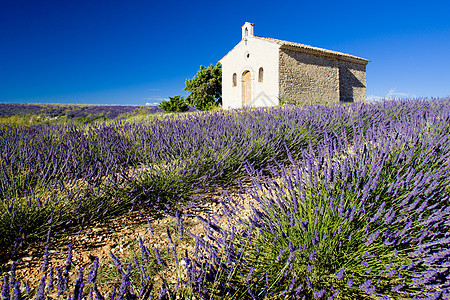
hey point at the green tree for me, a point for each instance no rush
(174, 104)
(205, 88)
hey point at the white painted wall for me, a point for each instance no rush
(261, 54)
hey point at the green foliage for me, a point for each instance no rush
(90, 119)
(174, 104)
(141, 111)
(205, 88)
(286, 101)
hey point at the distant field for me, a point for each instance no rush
(28, 114)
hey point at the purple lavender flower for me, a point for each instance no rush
(372, 237)
(340, 274)
(250, 275)
(13, 272)
(45, 263)
(113, 293)
(27, 288)
(117, 262)
(309, 283)
(312, 255)
(50, 280)
(17, 293)
(5, 291)
(378, 213)
(422, 207)
(304, 225)
(60, 285)
(150, 227)
(40, 295)
(319, 294)
(79, 285)
(350, 283)
(389, 216)
(174, 252)
(144, 251)
(292, 220)
(290, 247)
(67, 268)
(391, 273)
(280, 255)
(179, 223)
(316, 235)
(367, 287)
(123, 290)
(397, 288)
(93, 274)
(169, 235)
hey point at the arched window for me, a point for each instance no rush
(234, 79)
(246, 31)
(260, 75)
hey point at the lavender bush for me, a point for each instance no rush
(59, 176)
(352, 218)
(31, 114)
(348, 201)
(71, 111)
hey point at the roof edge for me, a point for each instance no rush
(315, 50)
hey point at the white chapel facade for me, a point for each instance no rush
(260, 71)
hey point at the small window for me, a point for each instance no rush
(261, 74)
(234, 79)
(246, 31)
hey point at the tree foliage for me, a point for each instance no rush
(174, 104)
(205, 88)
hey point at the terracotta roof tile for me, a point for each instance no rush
(311, 49)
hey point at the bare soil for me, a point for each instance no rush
(119, 235)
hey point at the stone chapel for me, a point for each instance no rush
(261, 71)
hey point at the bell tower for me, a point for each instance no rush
(247, 30)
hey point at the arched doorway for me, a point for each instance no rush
(246, 88)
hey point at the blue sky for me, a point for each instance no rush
(137, 52)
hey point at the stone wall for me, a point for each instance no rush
(306, 78)
(352, 82)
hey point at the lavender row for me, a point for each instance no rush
(368, 218)
(59, 176)
(74, 152)
(361, 211)
(72, 111)
(64, 175)
(345, 221)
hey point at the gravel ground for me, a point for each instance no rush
(119, 235)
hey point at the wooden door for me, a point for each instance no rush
(246, 89)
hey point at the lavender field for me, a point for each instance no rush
(26, 114)
(346, 202)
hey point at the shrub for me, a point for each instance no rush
(174, 104)
(286, 101)
(205, 88)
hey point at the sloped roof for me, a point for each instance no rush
(314, 50)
